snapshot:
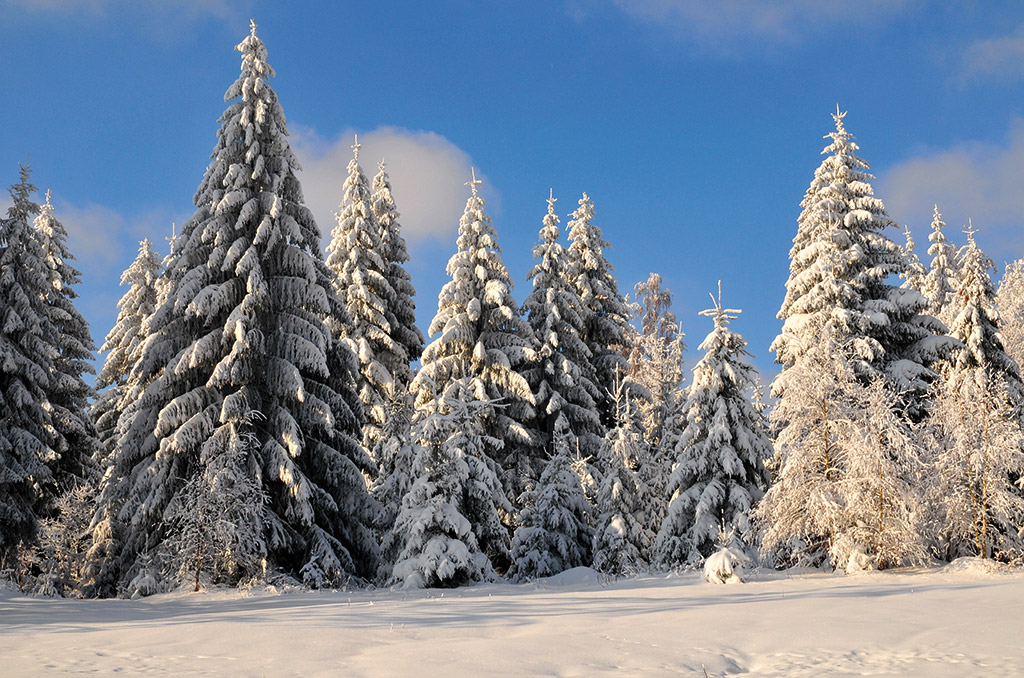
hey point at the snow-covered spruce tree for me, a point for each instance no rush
(915, 272)
(976, 325)
(606, 314)
(975, 509)
(27, 436)
(977, 431)
(937, 286)
(622, 536)
(554, 532)
(879, 484)
(656, 358)
(243, 330)
(124, 342)
(449, 528)
(840, 265)
(355, 255)
(801, 514)
(562, 376)
(479, 334)
(400, 309)
(68, 393)
(656, 365)
(719, 471)
(1010, 304)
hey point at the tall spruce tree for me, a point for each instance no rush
(124, 343)
(982, 356)
(656, 365)
(937, 286)
(243, 331)
(355, 255)
(480, 335)
(554, 532)
(400, 309)
(606, 314)
(449, 529)
(68, 394)
(28, 440)
(978, 506)
(914, 273)
(719, 471)
(562, 377)
(840, 265)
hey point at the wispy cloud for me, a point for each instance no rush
(104, 242)
(973, 180)
(1000, 58)
(428, 176)
(192, 8)
(164, 20)
(727, 25)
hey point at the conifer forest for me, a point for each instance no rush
(270, 412)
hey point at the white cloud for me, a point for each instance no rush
(428, 177)
(192, 8)
(94, 234)
(973, 180)
(999, 58)
(727, 24)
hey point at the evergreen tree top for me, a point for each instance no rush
(976, 267)
(474, 182)
(21, 194)
(550, 232)
(254, 56)
(937, 236)
(477, 235)
(722, 316)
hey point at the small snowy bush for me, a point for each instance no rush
(725, 566)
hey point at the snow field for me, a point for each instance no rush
(962, 620)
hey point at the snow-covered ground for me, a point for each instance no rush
(962, 620)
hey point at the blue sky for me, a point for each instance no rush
(694, 126)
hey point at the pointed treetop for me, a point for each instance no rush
(474, 182)
(840, 127)
(721, 315)
(551, 201)
(970, 230)
(356, 146)
(49, 195)
(25, 170)
(254, 59)
(382, 166)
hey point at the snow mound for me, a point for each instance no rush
(974, 566)
(725, 566)
(577, 576)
